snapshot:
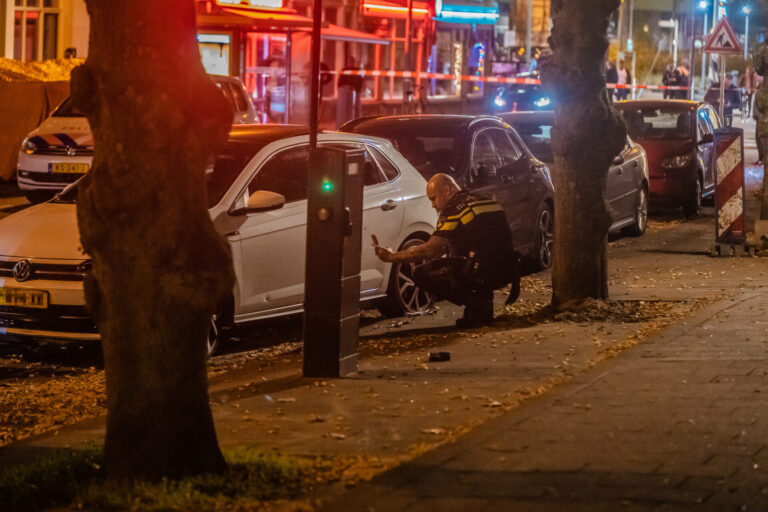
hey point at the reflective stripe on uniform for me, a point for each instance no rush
(469, 213)
(448, 226)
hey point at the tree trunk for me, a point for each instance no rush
(159, 267)
(586, 136)
(760, 62)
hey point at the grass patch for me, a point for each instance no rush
(75, 479)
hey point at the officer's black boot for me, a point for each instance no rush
(477, 312)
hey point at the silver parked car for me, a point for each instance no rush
(627, 185)
(257, 199)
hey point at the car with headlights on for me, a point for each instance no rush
(525, 96)
(677, 136)
(626, 187)
(486, 156)
(257, 199)
(60, 150)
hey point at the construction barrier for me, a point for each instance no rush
(484, 79)
(730, 229)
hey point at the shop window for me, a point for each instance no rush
(50, 35)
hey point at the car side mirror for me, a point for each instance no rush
(618, 160)
(706, 138)
(262, 201)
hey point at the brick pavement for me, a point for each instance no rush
(677, 424)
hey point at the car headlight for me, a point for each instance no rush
(499, 101)
(28, 147)
(676, 162)
(542, 102)
(84, 268)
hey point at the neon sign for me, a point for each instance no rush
(252, 4)
(465, 13)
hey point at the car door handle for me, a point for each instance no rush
(388, 205)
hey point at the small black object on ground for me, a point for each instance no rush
(438, 357)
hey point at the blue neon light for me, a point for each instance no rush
(453, 13)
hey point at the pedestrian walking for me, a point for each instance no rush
(683, 80)
(624, 78)
(669, 78)
(348, 102)
(474, 232)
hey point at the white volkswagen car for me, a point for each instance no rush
(60, 150)
(42, 265)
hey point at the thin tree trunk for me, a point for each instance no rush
(760, 62)
(586, 136)
(159, 267)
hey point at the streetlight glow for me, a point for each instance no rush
(703, 5)
(746, 9)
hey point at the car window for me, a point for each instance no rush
(228, 95)
(657, 123)
(240, 101)
(68, 109)
(538, 138)
(284, 173)
(507, 150)
(483, 152)
(228, 165)
(702, 120)
(713, 119)
(387, 167)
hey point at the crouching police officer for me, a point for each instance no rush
(473, 231)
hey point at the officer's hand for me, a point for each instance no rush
(383, 253)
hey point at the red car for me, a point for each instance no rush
(678, 141)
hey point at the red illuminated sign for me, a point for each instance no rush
(252, 4)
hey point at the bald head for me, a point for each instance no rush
(440, 189)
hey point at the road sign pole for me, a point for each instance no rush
(722, 84)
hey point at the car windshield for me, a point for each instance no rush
(218, 177)
(538, 138)
(68, 109)
(430, 149)
(657, 123)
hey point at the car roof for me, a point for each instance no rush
(682, 104)
(395, 122)
(540, 116)
(264, 134)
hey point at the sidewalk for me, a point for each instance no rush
(679, 423)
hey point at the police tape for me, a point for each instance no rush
(484, 79)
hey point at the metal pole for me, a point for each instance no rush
(675, 41)
(746, 36)
(704, 56)
(407, 88)
(288, 72)
(721, 62)
(634, 51)
(691, 38)
(618, 34)
(529, 31)
(314, 75)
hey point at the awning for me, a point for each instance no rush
(262, 20)
(337, 33)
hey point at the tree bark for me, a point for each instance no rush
(586, 136)
(159, 267)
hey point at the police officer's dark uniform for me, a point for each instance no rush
(481, 260)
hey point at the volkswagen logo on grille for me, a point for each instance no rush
(22, 270)
(71, 151)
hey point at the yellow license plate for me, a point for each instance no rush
(22, 298)
(67, 168)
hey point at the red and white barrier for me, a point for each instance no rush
(729, 191)
(483, 79)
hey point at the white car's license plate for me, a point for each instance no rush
(23, 298)
(69, 168)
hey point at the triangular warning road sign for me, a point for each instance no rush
(723, 40)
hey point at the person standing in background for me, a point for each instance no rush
(611, 77)
(624, 78)
(348, 102)
(669, 79)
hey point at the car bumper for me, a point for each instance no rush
(670, 188)
(65, 318)
(34, 171)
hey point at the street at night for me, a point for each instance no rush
(383, 255)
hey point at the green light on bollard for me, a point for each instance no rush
(327, 186)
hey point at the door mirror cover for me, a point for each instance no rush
(264, 200)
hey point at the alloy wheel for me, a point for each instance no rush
(546, 238)
(642, 211)
(213, 336)
(413, 299)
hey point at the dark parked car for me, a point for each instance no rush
(627, 185)
(485, 155)
(677, 137)
(521, 97)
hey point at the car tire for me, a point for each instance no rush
(39, 196)
(692, 205)
(545, 236)
(403, 296)
(215, 336)
(640, 224)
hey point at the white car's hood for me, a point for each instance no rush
(63, 131)
(44, 231)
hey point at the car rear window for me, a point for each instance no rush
(68, 109)
(657, 123)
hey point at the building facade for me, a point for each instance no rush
(42, 29)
